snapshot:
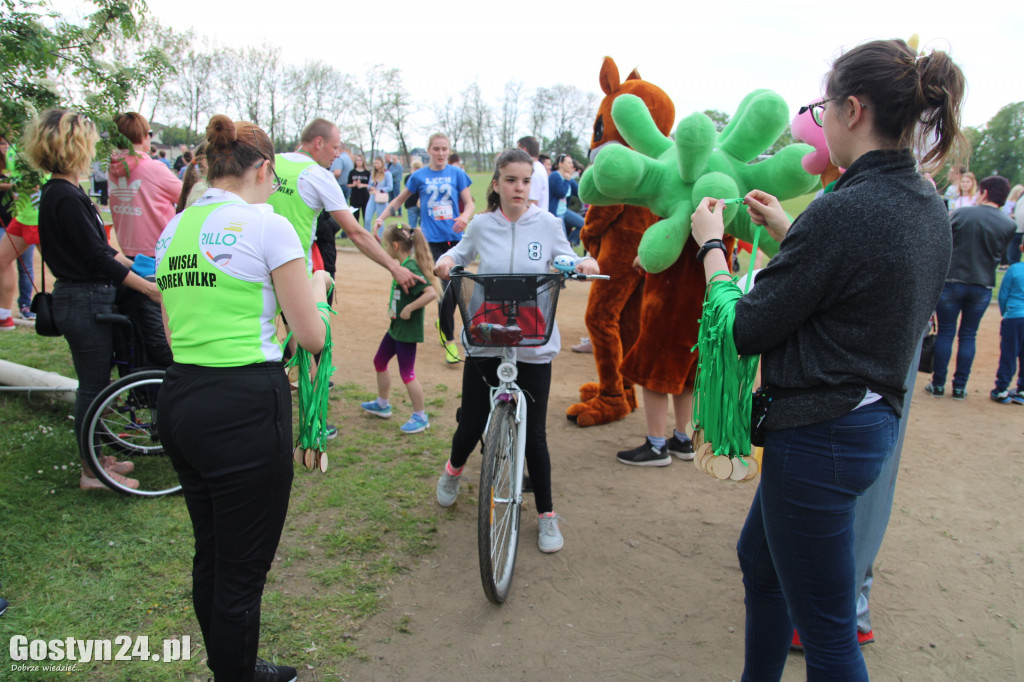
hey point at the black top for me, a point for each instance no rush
(71, 236)
(980, 236)
(414, 198)
(359, 195)
(844, 304)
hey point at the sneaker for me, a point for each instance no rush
(373, 407)
(451, 350)
(6, 324)
(584, 346)
(862, 639)
(448, 488)
(331, 432)
(959, 393)
(1001, 397)
(26, 313)
(681, 449)
(415, 425)
(936, 391)
(549, 538)
(646, 456)
(451, 353)
(3, 606)
(267, 672)
(1017, 397)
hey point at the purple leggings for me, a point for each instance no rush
(406, 353)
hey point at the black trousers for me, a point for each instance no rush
(478, 376)
(446, 305)
(229, 435)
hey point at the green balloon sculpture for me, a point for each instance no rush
(670, 177)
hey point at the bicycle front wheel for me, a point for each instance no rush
(498, 518)
(122, 421)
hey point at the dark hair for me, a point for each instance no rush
(998, 189)
(234, 147)
(915, 99)
(505, 158)
(192, 176)
(454, 158)
(541, 157)
(134, 126)
(530, 145)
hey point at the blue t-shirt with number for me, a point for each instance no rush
(439, 200)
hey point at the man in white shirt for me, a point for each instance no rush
(539, 180)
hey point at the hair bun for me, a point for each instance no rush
(221, 132)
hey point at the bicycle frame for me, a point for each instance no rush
(508, 391)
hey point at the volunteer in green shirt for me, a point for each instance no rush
(226, 266)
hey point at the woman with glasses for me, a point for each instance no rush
(836, 317)
(561, 188)
(226, 266)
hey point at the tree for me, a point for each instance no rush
(194, 94)
(451, 119)
(47, 61)
(152, 48)
(371, 100)
(998, 148)
(479, 123)
(508, 127)
(719, 118)
(397, 110)
(562, 109)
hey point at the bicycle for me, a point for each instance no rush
(122, 418)
(506, 310)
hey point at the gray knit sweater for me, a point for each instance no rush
(843, 305)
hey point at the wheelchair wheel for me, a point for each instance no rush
(121, 421)
(498, 508)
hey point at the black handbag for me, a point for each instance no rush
(927, 362)
(42, 306)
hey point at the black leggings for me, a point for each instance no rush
(478, 376)
(228, 432)
(446, 305)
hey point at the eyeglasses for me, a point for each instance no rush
(818, 109)
(277, 180)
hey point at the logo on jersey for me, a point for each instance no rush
(125, 191)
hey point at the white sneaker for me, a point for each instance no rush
(549, 538)
(447, 488)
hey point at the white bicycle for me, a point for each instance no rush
(509, 311)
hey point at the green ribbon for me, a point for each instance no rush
(313, 390)
(724, 384)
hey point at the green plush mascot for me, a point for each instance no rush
(670, 177)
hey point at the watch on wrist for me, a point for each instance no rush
(711, 244)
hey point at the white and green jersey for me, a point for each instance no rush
(213, 266)
(306, 189)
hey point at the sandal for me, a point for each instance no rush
(110, 463)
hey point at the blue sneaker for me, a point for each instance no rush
(415, 425)
(373, 407)
(1001, 397)
(1017, 397)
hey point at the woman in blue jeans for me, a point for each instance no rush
(74, 246)
(968, 303)
(836, 317)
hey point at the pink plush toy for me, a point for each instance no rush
(818, 162)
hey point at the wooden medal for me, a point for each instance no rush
(721, 467)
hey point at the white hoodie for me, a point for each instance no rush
(528, 245)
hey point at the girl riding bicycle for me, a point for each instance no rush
(512, 236)
(409, 247)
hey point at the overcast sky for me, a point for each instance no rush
(706, 57)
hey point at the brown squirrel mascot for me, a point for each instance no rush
(611, 234)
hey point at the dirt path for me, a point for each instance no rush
(648, 586)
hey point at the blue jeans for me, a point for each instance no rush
(25, 275)
(573, 223)
(372, 209)
(414, 216)
(75, 305)
(1011, 353)
(796, 547)
(969, 303)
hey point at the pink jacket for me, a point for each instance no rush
(143, 193)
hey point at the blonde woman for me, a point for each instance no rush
(74, 245)
(967, 192)
(381, 183)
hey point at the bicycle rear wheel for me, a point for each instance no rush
(498, 513)
(122, 421)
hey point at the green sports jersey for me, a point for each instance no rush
(287, 202)
(216, 320)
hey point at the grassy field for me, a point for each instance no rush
(70, 560)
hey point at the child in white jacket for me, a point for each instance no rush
(511, 237)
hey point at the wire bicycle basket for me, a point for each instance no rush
(506, 310)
